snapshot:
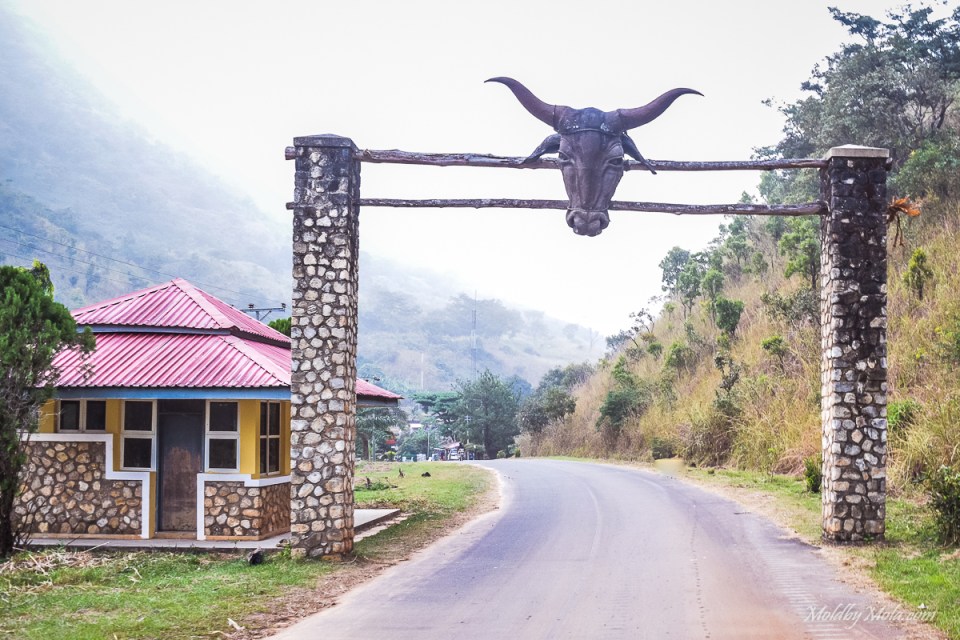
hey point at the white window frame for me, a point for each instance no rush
(220, 435)
(139, 434)
(82, 418)
(264, 439)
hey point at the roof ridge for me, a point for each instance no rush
(200, 300)
(241, 345)
(141, 293)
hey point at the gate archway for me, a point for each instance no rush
(853, 273)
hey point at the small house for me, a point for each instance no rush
(178, 424)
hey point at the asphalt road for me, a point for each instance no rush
(593, 551)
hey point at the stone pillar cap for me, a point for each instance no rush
(324, 140)
(856, 151)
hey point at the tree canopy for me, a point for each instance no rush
(487, 412)
(33, 329)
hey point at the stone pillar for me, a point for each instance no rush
(853, 308)
(324, 335)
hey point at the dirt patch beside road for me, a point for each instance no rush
(400, 539)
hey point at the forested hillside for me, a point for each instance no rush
(729, 372)
(83, 190)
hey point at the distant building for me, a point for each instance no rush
(177, 425)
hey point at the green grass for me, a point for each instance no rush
(171, 595)
(449, 487)
(144, 595)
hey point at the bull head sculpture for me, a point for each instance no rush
(590, 145)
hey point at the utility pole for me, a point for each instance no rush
(265, 311)
(473, 334)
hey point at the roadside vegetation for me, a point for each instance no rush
(723, 370)
(74, 595)
(727, 372)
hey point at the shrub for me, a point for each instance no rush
(728, 314)
(901, 414)
(943, 487)
(918, 273)
(775, 346)
(501, 454)
(662, 448)
(708, 439)
(620, 405)
(813, 473)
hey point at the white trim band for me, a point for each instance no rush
(109, 473)
(247, 480)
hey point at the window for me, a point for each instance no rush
(269, 437)
(82, 415)
(139, 434)
(223, 444)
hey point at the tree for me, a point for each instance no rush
(415, 442)
(688, 286)
(894, 87)
(280, 324)
(679, 357)
(728, 315)
(377, 424)
(672, 265)
(539, 410)
(712, 286)
(628, 399)
(737, 243)
(33, 329)
(568, 377)
(487, 412)
(801, 246)
(441, 406)
(918, 273)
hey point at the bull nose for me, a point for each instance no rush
(587, 223)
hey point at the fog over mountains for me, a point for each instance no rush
(84, 189)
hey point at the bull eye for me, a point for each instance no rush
(616, 161)
(564, 158)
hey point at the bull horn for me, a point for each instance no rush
(539, 109)
(632, 118)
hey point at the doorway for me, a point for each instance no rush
(180, 433)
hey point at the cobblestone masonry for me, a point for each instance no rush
(324, 335)
(65, 492)
(853, 307)
(234, 511)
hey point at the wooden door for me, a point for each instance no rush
(180, 458)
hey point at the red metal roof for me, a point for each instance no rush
(175, 305)
(139, 345)
(369, 390)
(171, 360)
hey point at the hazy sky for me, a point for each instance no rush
(232, 83)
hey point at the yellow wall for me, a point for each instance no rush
(48, 417)
(249, 436)
(249, 412)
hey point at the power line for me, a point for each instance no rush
(95, 266)
(66, 268)
(100, 255)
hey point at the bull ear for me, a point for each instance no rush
(550, 145)
(630, 148)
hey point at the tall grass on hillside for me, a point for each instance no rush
(770, 419)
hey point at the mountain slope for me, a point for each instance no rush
(85, 191)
